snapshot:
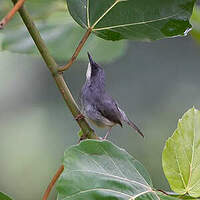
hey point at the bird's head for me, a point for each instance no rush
(94, 71)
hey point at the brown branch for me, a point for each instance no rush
(52, 183)
(77, 51)
(10, 15)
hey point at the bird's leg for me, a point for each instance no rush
(79, 117)
(108, 132)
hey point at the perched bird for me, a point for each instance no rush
(97, 105)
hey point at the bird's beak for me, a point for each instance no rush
(90, 59)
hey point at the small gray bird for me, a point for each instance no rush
(97, 105)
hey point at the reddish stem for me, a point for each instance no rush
(52, 183)
(10, 15)
(77, 51)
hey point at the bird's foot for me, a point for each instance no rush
(79, 117)
(83, 137)
(108, 132)
(104, 138)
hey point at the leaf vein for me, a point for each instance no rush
(102, 16)
(88, 14)
(112, 161)
(135, 23)
(90, 157)
(113, 176)
(181, 175)
(94, 189)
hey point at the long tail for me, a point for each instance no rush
(129, 122)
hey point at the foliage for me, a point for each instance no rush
(181, 156)
(4, 196)
(60, 32)
(146, 20)
(195, 20)
(98, 169)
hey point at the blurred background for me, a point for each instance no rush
(155, 83)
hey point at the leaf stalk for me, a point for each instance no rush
(77, 51)
(10, 14)
(52, 183)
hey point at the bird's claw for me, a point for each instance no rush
(79, 117)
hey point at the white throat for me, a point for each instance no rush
(89, 71)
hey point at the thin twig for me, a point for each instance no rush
(10, 15)
(52, 183)
(77, 51)
(159, 190)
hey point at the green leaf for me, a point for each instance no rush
(133, 19)
(195, 21)
(160, 197)
(181, 155)
(4, 196)
(60, 33)
(178, 196)
(100, 170)
(167, 197)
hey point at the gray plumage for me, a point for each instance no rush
(97, 105)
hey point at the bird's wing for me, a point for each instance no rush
(108, 109)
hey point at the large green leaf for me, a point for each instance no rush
(4, 196)
(133, 19)
(100, 170)
(59, 32)
(181, 155)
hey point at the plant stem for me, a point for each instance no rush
(161, 191)
(60, 82)
(88, 132)
(77, 51)
(35, 34)
(52, 183)
(58, 77)
(10, 15)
